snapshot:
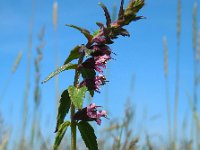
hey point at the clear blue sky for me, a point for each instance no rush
(140, 55)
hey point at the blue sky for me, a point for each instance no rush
(141, 56)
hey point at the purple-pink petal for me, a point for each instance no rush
(98, 120)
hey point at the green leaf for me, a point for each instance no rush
(63, 108)
(88, 73)
(60, 134)
(124, 32)
(74, 54)
(88, 135)
(87, 51)
(107, 14)
(132, 10)
(85, 32)
(121, 11)
(77, 95)
(91, 93)
(96, 32)
(59, 70)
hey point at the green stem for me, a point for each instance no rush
(73, 122)
(73, 129)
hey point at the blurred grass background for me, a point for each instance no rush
(152, 96)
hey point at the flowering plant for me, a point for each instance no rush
(92, 59)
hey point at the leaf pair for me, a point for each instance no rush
(76, 95)
(87, 134)
(72, 94)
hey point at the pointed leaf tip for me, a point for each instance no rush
(85, 32)
(107, 14)
(59, 70)
(74, 54)
(121, 11)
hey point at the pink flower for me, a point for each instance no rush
(94, 83)
(100, 62)
(100, 113)
(90, 113)
(100, 50)
(99, 57)
(103, 36)
(96, 63)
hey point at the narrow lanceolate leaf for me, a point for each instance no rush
(74, 54)
(123, 32)
(60, 134)
(107, 14)
(85, 32)
(59, 70)
(121, 11)
(63, 108)
(88, 135)
(77, 95)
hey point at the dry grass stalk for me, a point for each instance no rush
(55, 14)
(195, 63)
(149, 144)
(194, 44)
(28, 72)
(124, 129)
(194, 25)
(17, 61)
(4, 135)
(37, 92)
(197, 54)
(132, 145)
(166, 71)
(4, 143)
(35, 131)
(166, 66)
(176, 98)
(55, 24)
(196, 121)
(178, 23)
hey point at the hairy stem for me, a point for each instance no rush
(73, 122)
(73, 129)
